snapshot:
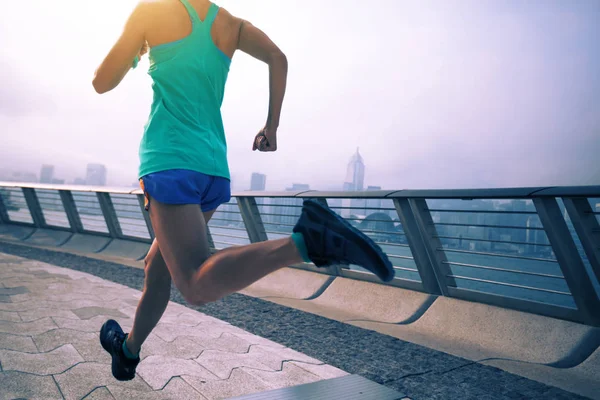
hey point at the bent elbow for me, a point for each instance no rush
(99, 87)
(279, 59)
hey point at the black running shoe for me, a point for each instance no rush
(331, 240)
(112, 338)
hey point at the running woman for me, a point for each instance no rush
(184, 170)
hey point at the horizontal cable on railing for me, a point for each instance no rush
(405, 269)
(228, 243)
(383, 232)
(392, 244)
(362, 208)
(536, 228)
(484, 211)
(278, 223)
(226, 227)
(389, 221)
(223, 219)
(497, 255)
(279, 215)
(469, 239)
(516, 271)
(402, 257)
(280, 205)
(278, 233)
(213, 233)
(507, 284)
(227, 212)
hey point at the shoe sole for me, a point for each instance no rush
(383, 269)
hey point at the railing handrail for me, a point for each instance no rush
(467, 194)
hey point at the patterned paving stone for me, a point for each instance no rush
(157, 370)
(17, 385)
(182, 347)
(39, 313)
(53, 362)
(102, 393)
(10, 316)
(323, 371)
(169, 332)
(83, 378)
(11, 291)
(27, 328)
(227, 342)
(275, 358)
(222, 363)
(86, 343)
(85, 313)
(176, 389)
(17, 343)
(257, 340)
(239, 383)
(90, 325)
(290, 375)
(186, 319)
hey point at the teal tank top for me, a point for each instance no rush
(185, 127)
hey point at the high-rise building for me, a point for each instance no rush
(355, 179)
(95, 175)
(47, 173)
(258, 182)
(355, 173)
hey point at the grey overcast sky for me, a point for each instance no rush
(437, 94)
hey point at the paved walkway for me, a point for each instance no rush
(49, 348)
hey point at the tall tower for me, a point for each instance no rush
(355, 173)
(355, 180)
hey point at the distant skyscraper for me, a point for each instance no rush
(47, 173)
(355, 173)
(95, 175)
(355, 179)
(258, 182)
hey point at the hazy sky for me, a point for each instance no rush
(437, 94)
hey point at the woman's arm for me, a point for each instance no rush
(256, 43)
(120, 59)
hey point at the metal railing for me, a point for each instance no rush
(531, 249)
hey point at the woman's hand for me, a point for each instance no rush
(265, 140)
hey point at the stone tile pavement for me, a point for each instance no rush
(49, 348)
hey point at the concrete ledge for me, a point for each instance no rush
(478, 331)
(15, 232)
(351, 300)
(288, 283)
(583, 379)
(86, 243)
(126, 249)
(48, 237)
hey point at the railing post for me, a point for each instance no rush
(142, 202)
(568, 258)
(433, 245)
(35, 209)
(252, 219)
(432, 283)
(110, 215)
(71, 210)
(587, 228)
(4, 219)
